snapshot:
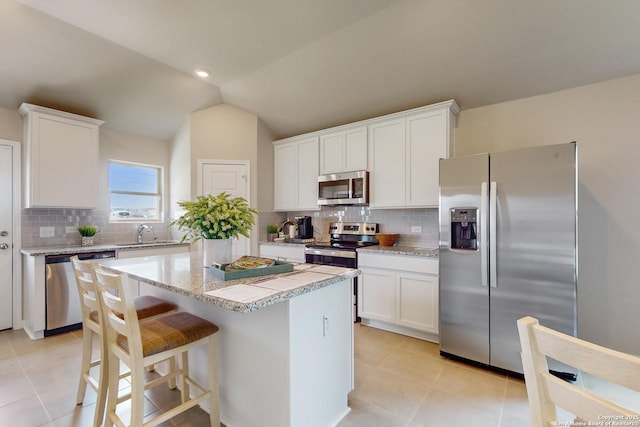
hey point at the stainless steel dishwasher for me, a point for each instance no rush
(63, 311)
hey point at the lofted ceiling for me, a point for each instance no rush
(302, 65)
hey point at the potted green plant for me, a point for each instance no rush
(272, 232)
(87, 232)
(216, 220)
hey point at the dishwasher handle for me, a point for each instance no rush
(56, 259)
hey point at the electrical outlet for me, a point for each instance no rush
(70, 230)
(47, 231)
(325, 325)
(416, 229)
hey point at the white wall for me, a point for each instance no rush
(604, 119)
(224, 132)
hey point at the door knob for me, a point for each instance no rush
(4, 233)
(4, 246)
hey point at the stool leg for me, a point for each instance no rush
(172, 369)
(183, 377)
(112, 393)
(137, 392)
(103, 382)
(85, 365)
(214, 403)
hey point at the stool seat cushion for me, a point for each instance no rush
(146, 306)
(170, 331)
(149, 306)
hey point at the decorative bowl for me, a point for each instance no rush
(386, 239)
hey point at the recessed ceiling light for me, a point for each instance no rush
(202, 72)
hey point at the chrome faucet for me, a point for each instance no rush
(141, 228)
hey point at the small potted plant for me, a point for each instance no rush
(272, 232)
(87, 232)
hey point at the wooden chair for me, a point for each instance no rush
(545, 391)
(146, 307)
(141, 344)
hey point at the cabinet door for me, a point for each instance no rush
(426, 144)
(355, 149)
(387, 163)
(417, 301)
(286, 177)
(308, 174)
(377, 294)
(62, 150)
(331, 153)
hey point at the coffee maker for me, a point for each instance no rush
(305, 228)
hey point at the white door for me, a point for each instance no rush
(219, 176)
(6, 236)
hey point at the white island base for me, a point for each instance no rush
(289, 364)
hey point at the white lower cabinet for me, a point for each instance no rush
(293, 253)
(399, 293)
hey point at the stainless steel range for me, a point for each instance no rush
(341, 250)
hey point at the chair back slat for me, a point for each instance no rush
(586, 405)
(545, 391)
(115, 302)
(614, 366)
(87, 290)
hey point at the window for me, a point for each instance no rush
(135, 192)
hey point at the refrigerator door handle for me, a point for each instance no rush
(493, 213)
(482, 244)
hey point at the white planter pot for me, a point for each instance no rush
(216, 251)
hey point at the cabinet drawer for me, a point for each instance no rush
(399, 262)
(283, 253)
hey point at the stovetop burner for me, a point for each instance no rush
(341, 245)
(349, 236)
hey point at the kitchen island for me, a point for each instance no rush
(285, 346)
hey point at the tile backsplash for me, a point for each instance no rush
(399, 221)
(61, 219)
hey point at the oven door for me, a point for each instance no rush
(336, 257)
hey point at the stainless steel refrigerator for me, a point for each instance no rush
(508, 227)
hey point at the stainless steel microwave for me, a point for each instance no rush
(347, 188)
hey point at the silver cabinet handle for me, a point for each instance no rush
(493, 233)
(4, 246)
(484, 235)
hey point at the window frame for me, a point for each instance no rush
(159, 194)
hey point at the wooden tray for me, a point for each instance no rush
(278, 268)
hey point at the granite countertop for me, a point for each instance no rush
(402, 250)
(264, 242)
(61, 250)
(184, 274)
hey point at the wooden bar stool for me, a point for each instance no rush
(146, 307)
(141, 344)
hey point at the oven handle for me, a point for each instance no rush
(325, 252)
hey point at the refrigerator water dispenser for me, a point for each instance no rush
(464, 229)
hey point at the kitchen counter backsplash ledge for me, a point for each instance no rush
(60, 250)
(402, 250)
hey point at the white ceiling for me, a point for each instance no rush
(302, 65)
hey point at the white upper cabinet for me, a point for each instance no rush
(343, 151)
(401, 151)
(296, 174)
(61, 158)
(387, 163)
(404, 153)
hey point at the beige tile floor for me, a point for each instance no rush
(403, 381)
(400, 381)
